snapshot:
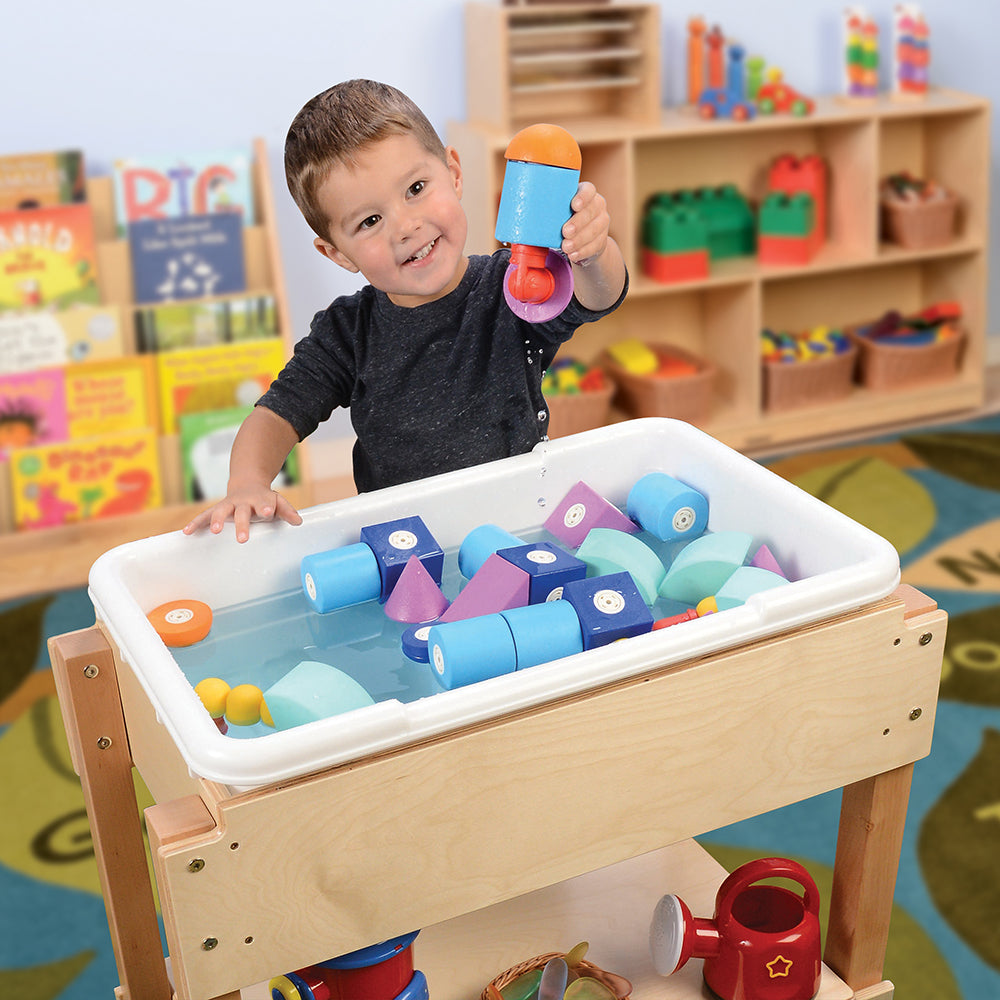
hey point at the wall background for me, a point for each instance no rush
(118, 78)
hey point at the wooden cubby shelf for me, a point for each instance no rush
(854, 277)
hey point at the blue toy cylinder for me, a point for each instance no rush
(535, 203)
(341, 577)
(544, 632)
(667, 508)
(479, 544)
(471, 650)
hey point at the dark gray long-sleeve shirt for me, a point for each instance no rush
(438, 387)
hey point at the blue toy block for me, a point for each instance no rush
(701, 568)
(605, 551)
(393, 542)
(549, 569)
(535, 203)
(479, 544)
(341, 577)
(744, 583)
(667, 508)
(472, 649)
(609, 608)
(544, 632)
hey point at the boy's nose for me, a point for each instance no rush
(407, 223)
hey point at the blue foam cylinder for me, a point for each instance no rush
(534, 203)
(341, 577)
(470, 650)
(544, 632)
(479, 544)
(667, 508)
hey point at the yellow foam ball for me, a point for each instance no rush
(243, 705)
(707, 606)
(213, 693)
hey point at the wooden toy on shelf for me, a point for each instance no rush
(910, 51)
(861, 53)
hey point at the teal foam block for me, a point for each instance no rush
(606, 550)
(701, 568)
(312, 691)
(744, 583)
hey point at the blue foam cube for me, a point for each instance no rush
(549, 569)
(393, 542)
(609, 608)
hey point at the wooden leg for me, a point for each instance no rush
(872, 815)
(87, 684)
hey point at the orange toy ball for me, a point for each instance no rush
(181, 623)
(548, 144)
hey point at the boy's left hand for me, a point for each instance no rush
(585, 233)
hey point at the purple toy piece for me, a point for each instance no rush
(582, 509)
(539, 312)
(764, 559)
(416, 597)
(497, 586)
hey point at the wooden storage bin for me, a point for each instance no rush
(788, 385)
(884, 365)
(685, 397)
(570, 413)
(917, 225)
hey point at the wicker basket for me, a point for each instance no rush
(919, 224)
(788, 385)
(618, 985)
(570, 413)
(884, 365)
(686, 397)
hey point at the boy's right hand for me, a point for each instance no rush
(241, 506)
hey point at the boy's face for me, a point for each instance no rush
(396, 216)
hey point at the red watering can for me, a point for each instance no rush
(763, 942)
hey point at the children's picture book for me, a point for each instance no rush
(48, 256)
(176, 325)
(189, 258)
(169, 187)
(44, 338)
(215, 378)
(38, 180)
(32, 409)
(104, 397)
(105, 476)
(206, 441)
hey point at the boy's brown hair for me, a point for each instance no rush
(334, 125)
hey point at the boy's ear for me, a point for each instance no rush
(329, 251)
(455, 166)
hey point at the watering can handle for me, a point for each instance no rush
(754, 871)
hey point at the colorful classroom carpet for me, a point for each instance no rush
(935, 494)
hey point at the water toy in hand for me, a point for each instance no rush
(540, 180)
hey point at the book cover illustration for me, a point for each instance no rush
(104, 397)
(37, 180)
(215, 378)
(32, 409)
(74, 481)
(48, 256)
(46, 338)
(169, 187)
(206, 441)
(177, 325)
(189, 258)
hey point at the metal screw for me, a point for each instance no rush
(209, 943)
(103, 742)
(91, 670)
(196, 864)
(925, 638)
(915, 714)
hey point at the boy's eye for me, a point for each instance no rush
(369, 222)
(416, 187)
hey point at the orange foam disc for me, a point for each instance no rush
(181, 623)
(548, 144)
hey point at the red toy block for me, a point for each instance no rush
(790, 174)
(688, 265)
(785, 249)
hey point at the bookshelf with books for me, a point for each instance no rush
(163, 381)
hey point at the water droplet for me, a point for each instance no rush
(542, 472)
(542, 414)
(541, 501)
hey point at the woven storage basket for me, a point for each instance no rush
(611, 980)
(570, 413)
(883, 365)
(919, 224)
(788, 385)
(686, 397)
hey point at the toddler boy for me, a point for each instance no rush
(438, 373)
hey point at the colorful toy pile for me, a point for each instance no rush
(936, 323)
(820, 342)
(637, 358)
(569, 377)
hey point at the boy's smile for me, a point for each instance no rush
(396, 216)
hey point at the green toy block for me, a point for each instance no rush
(787, 215)
(673, 227)
(730, 221)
